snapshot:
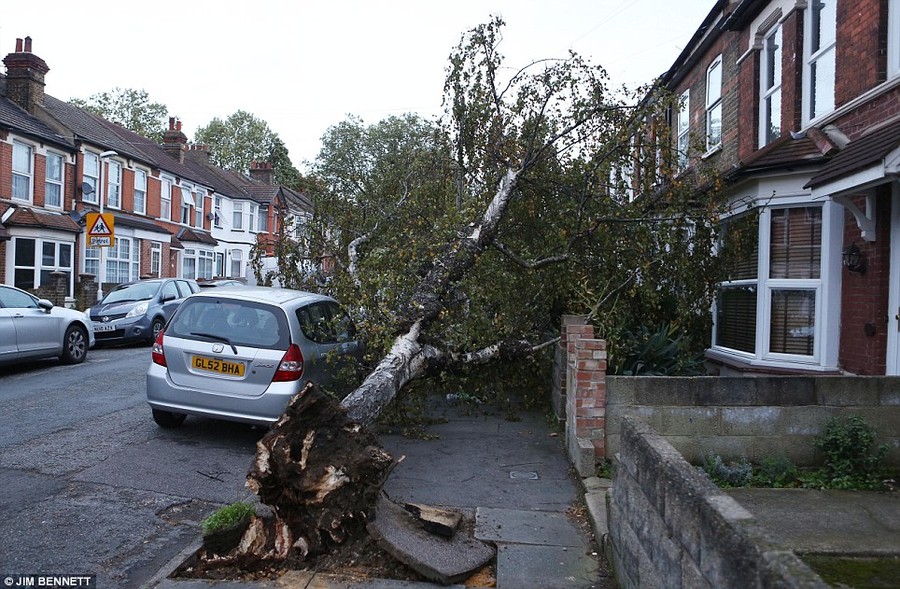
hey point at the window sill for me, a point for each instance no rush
(711, 151)
(744, 364)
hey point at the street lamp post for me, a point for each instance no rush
(102, 278)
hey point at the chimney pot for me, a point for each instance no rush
(18, 45)
(28, 44)
(178, 126)
(171, 123)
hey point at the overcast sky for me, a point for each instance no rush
(303, 66)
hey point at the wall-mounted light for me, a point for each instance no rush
(853, 259)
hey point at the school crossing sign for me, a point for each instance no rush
(101, 229)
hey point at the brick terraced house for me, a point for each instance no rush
(175, 214)
(798, 103)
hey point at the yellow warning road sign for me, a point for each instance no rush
(101, 229)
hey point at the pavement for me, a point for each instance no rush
(505, 470)
(509, 472)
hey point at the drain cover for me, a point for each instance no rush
(523, 475)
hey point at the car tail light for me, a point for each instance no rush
(291, 366)
(158, 353)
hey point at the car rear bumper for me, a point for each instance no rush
(264, 409)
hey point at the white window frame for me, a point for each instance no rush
(198, 207)
(206, 260)
(165, 197)
(23, 170)
(140, 188)
(189, 256)
(217, 212)
(237, 216)
(237, 264)
(156, 259)
(52, 184)
(770, 69)
(187, 201)
(123, 266)
(114, 184)
(827, 298)
(91, 175)
(683, 129)
(38, 266)
(251, 225)
(893, 64)
(813, 57)
(714, 102)
(262, 222)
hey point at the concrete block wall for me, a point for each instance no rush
(756, 418)
(670, 526)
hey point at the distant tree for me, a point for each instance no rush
(130, 108)
(243, 138)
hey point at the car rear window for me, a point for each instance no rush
(241, 323)
(325, 322)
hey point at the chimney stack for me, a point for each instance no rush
(262, 172)
(25, 73)
(199, 153)
(174, 141)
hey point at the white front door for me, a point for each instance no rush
(893, 339)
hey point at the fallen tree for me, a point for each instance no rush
(460, 245)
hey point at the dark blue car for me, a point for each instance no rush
(138, 311)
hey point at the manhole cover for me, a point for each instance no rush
(523, 475)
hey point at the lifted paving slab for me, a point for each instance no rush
(445, 560)
(542, 528)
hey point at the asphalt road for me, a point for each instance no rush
(90, 485)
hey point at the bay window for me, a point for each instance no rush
(34, 259)
(122, 261)
(772, 306)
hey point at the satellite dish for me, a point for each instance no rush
(86, 188)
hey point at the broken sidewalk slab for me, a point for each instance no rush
(444, 560)
(437, 521)
(536, 567)
(541, 528)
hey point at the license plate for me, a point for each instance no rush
(218, 366)
(103, 327)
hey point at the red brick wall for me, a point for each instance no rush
(874, 112)
(792, 72)
(864, 297)
(5, 170)
(40, 173)
(859, 41)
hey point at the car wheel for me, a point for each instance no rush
(167, 419)
(155, 328)
(75, 345)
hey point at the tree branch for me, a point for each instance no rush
(502, 248)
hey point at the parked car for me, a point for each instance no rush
(221, 282)
(32, 328)
(137, 311)
(240, 354)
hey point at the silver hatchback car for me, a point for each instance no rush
(240, 354)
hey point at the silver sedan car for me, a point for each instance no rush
(241, 354)
(32, 328)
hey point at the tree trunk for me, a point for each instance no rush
(319, 468)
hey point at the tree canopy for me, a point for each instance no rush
(130, 108)
(595, 223)
(243, 138)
